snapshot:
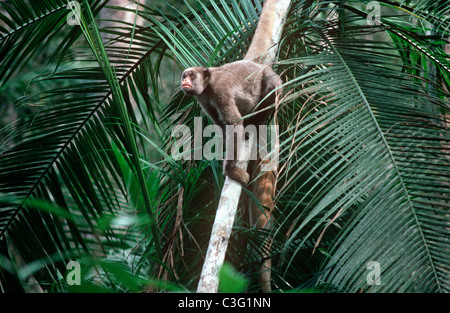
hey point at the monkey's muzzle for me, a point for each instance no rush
(186, 84)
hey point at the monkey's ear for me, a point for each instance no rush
(206, 73)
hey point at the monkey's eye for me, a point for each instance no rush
(191, 75)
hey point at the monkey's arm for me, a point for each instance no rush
(212, 113)
(234, 139)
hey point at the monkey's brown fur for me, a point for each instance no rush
(232, 91)
(260, 216)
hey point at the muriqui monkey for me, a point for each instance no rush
(228, 93)
(232, 91)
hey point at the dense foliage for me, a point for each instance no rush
(86, 170)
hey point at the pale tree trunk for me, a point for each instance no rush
(229, 199)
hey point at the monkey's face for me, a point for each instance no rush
(193, 82)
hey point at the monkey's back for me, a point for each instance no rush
(244, 81)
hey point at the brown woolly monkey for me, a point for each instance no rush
(232, 91)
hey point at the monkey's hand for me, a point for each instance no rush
(238, 174)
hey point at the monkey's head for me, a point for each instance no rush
(194, 80)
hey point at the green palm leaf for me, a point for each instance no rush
(389, 142)
(364, 137)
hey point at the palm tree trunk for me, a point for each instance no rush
(226, 210)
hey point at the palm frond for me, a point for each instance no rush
(67, 142)
(29, 26)
(377, 145)
(364, 165)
